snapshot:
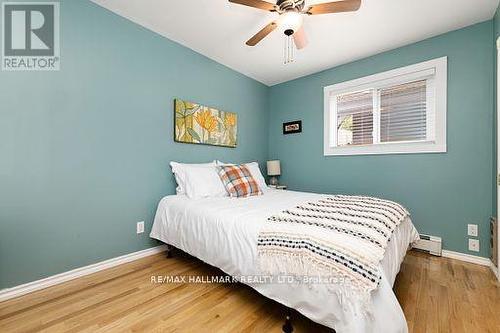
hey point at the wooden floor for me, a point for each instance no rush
(437, 295)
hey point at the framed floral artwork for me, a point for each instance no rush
(198, 124)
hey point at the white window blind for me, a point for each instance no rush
(355, 118)
(403, 111)
(399, 111)
(392, 114)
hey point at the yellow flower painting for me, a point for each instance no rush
(195, 123)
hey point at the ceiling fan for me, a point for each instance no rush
(291, 19)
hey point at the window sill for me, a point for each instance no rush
(387, 149)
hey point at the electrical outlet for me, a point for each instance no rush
(472, 230)
(140, 227)
(474, 245)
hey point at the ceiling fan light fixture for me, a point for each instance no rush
(291, 20)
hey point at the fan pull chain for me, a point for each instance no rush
(289, 50)
(284, 49)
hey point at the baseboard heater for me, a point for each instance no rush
(429, 244)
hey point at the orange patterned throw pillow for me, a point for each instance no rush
(238, 181)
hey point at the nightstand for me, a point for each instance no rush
(278, 187)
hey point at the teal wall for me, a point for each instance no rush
(496, 20)
(85, 151)
(496, 34)
(444, 192)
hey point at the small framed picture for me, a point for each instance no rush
(292, 127)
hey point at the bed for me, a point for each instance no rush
(223, 232)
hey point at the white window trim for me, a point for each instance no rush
(437, 107)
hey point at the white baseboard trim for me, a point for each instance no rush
(29, 287)
(495, 271)
(472, 259)
(466, 257)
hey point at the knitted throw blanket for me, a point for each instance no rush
(338, 237)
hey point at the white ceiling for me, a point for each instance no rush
(218, 29)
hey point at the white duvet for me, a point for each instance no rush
(223, 233)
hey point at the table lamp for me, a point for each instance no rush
(273, 170)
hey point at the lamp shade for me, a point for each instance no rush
(273, 168)
(290, 20)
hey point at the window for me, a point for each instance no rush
(399, 111)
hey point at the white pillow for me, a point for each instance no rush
(178, 171)
(203, 183)
(254, 169)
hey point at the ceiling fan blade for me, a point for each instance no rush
(334, 7)
(262, 33)
(300, 38)
(264, 5)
